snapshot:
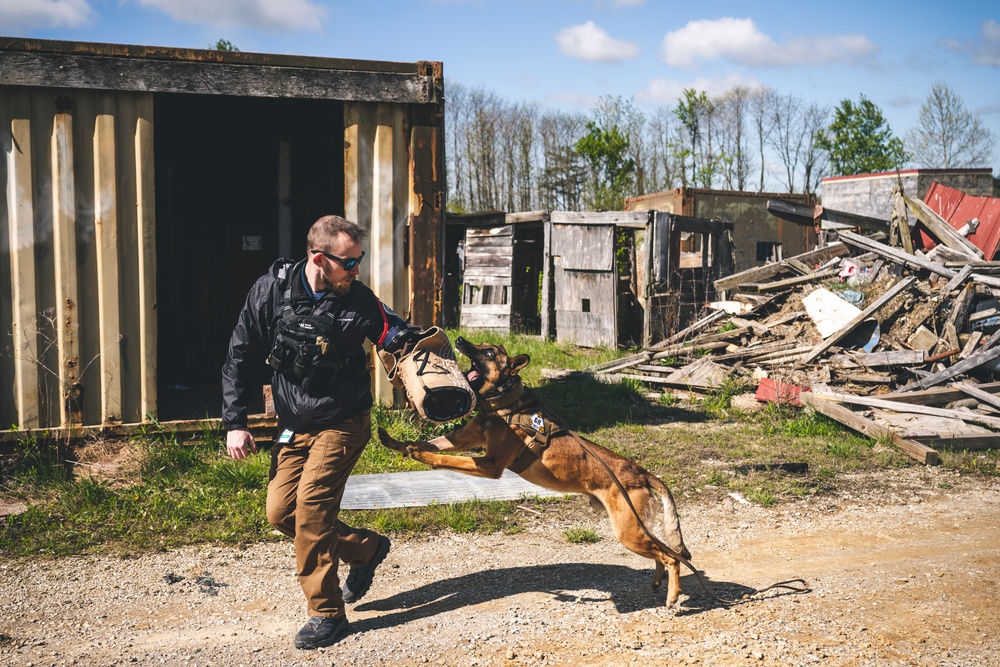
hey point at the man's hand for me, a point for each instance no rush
(240, 443)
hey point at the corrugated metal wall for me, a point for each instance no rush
(377, 196)
(77, 257)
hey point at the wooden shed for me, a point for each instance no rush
(594, 277)
(502, 271)
(146, 188)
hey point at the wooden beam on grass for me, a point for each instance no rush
(849, 418)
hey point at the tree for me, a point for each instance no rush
(606, 149)
(948, 135)
(860, 141)
(224, 45)
(695, 112)
(733, 110)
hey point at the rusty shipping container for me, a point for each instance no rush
(758, 235)
(146, 188)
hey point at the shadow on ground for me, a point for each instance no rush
(586, 404)
(628, 589)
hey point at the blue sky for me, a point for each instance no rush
(567, 53)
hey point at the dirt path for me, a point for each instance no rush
(904, 572)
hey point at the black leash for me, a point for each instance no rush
(804, 588)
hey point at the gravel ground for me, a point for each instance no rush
(903, 569)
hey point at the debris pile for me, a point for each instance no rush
(892, 341)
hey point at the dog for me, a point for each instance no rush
(517, 432)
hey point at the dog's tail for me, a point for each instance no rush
(670, 525)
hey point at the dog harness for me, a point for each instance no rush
(528, 416)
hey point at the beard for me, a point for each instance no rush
(338, 287)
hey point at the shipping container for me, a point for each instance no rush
(146, 188)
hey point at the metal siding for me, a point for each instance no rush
(957, 208)
(78, 262)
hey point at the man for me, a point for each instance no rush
(308, 322)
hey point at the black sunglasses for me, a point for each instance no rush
(348, 264)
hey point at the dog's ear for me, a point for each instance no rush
(515, 364)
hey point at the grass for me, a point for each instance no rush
(167, 493)
(581, 536)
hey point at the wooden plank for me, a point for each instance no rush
(868, 401)
(990, 352)
(959, 278)
(961, 442)
(850, 219)
(475, 260)
(889, 358)
(359, 158)
(89, 72)
(590, 248)
(20, 217)
(895, 255)
(978, 394)
(790, 282)
(106, 239)
(941, 230)
(864, 315)
(484, 234)
(635, 219)
(847, 417)
(586, 329)
(810, 258)
(574, 288)
(624, 362)
(527, 216)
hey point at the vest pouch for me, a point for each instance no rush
(434, 384)
(304, 353)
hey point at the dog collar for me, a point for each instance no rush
(504, 398)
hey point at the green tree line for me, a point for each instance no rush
(518, 157)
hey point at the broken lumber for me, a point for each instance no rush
(757, 273)
(849, 418)
(865, 314)
(941, 230)
(896, 255)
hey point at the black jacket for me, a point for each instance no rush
(359, 315)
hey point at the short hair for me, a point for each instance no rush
(323, 230)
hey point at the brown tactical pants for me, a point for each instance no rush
(306, 486)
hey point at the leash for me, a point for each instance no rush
(804, 588)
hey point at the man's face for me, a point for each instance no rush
(335, 277)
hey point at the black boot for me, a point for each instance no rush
(321, 631)
(360, 579)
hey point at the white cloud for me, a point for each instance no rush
(988, 52)
(741, 41)
(270, 15)
(44, 13)
(588, 42)
(628, 3)
(988, 110)
(668, 91)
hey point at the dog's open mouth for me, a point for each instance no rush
(472, 375)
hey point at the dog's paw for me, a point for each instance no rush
(390, 442)
(413, 452)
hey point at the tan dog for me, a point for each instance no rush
(518, 433)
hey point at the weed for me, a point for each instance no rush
(581, 536)
(762, 496)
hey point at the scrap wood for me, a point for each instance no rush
(640, 358)
(849, 418)
(978, 394)
(941, 230)
(898, 221)
(865, 314)
(898, 256)
(961, 442)
(702, 373)
(790, 282)
(697, 326)
(686, 350)
(967, 416)
(888, 358)
(990, 351)
(756, 273)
